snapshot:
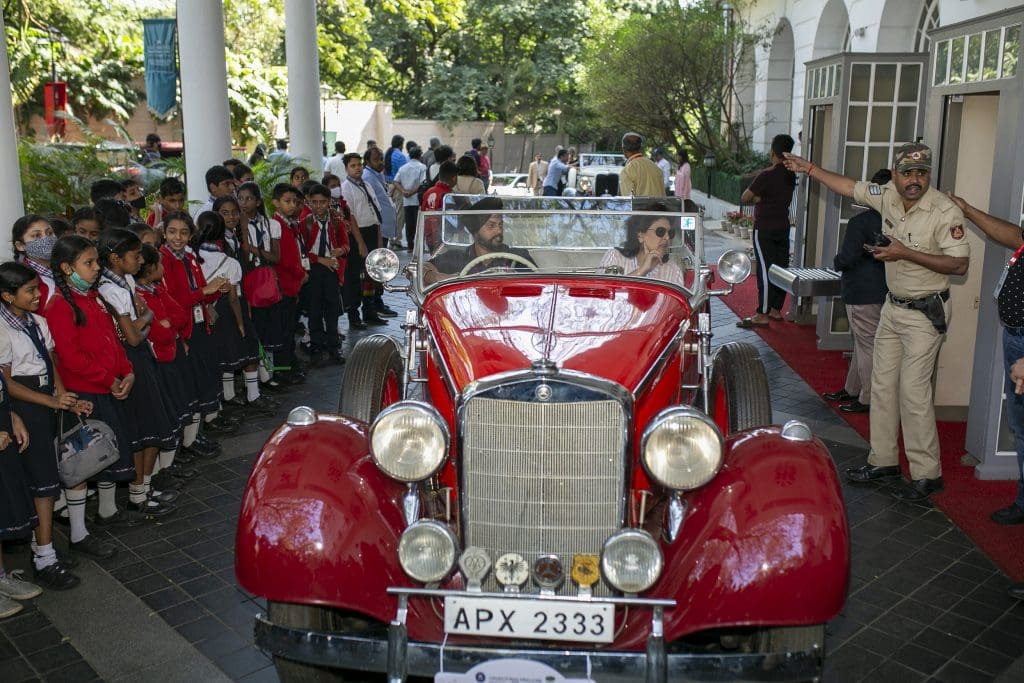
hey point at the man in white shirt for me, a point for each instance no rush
(336, 164)
(408, 180)
(365, 236)
(663, 164)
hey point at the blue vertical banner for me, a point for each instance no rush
(158, 44)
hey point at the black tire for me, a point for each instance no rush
(374, 363)
(782, 640)
(313, 618)
(739, 397)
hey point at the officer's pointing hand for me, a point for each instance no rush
(795, 164)
(894, 251)
(960, 203)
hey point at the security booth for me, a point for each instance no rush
(974, 120)
(858, 108)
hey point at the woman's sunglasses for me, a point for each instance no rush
(660, 232)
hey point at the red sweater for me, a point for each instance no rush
(180, 288)
(164, 340)
(290, 272)
(339, 239)
(90, 356)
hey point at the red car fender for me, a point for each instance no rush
(765, 543)
(320, 523)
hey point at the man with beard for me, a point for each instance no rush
(924, 245)
(488, 237)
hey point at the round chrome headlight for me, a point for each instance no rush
(682, 448)
(631, 561)
(734, 266)
(409, 441)
(427, 551)
(382, 265)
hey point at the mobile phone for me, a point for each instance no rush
(870, 248)
(664, 258)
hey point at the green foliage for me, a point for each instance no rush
(97, 48)
(273, 170)
(671, 74)
(56, 177)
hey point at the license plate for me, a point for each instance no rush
(537, 619)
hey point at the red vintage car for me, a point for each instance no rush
(552, 475)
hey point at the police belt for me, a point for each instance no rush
(930, 305)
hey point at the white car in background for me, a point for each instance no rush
(592, 164)
(509, 185)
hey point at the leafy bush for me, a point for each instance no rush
(56, 178)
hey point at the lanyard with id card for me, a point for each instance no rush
(1006, 271)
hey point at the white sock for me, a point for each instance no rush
(210, 417)
(166, 458)
(43, 556)
(156, 467)
(265, 373)
(106, 490)
(191, 431)
(227, 380)
(76, 514)
(137, 493)
(60, 503)
(252, 384)
(147, 482)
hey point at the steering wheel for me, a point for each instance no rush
(496, 255)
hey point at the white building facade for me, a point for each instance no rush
(854, 79)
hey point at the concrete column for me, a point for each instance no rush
(12, 202)
(305, 139)
(204, 91)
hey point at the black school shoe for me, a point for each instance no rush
(55, 577)
(93, 547)
(151, 507)
(220, 426)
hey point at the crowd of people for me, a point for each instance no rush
(170, 326)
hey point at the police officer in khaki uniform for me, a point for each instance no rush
(926, 244)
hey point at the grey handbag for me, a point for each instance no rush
(84, 449)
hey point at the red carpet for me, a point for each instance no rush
(966, 500)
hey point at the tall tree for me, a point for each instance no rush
(673, 74)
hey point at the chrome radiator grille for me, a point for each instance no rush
(542, 477)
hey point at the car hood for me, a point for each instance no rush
(612, 329)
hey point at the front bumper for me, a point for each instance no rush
(393, 654)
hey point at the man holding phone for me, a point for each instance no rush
(927, 245)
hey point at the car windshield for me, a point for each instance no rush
(587, 160)
(516, 237)
(503, 179)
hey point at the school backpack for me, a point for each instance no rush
(427, 183)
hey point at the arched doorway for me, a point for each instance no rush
(904, 25)
(833, 30)
(778, 115)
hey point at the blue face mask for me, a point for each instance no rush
(79, 283)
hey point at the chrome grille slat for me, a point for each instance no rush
(542, 477)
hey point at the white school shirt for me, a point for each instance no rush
(119, 298)
(219, 264)
(18, 351)
(271, 231)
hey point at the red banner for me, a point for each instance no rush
(55, 99)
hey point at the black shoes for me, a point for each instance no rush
(1016, 591)
(840, 395)
(151, 507)
(917, 490)
(93, 547)
(220, 426)
(374, 319)
(386, 312)
(55, 577)
(1011, 514)
(866, 473)
(855, 406)
(261, 406)
(356, 324)
(119, 518)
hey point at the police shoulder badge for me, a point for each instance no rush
(874, 189)
(957, 232)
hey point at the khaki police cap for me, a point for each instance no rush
(913, 155)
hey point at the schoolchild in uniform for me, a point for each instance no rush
(292, 272)
(33, 243)
(36, 392)
(93, 365)
(173, 370)
(263, 248)
(326, 248)
(233, 333)
(150, 423)
(172, 198)
(87, 222)
(17, 514)
(184, 279)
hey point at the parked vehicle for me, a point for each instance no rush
(585, 179)
(553, 474)
(509, 185)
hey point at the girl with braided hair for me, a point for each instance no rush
(93, 365)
